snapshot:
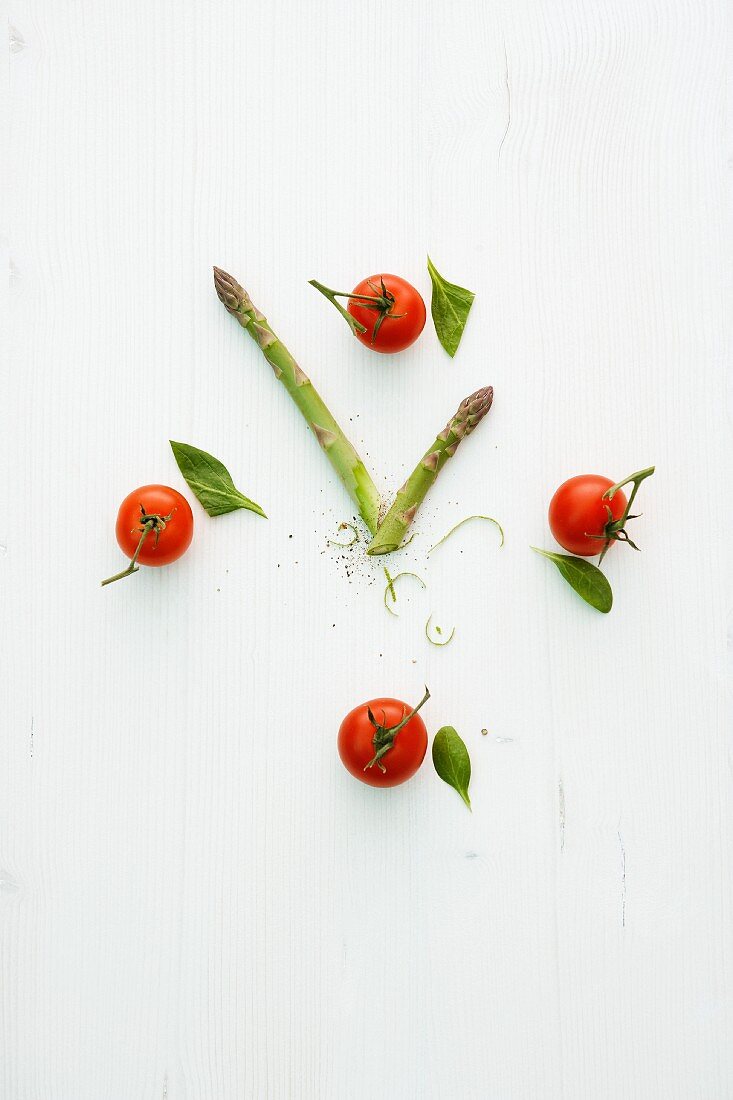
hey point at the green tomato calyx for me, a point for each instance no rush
(384, 735)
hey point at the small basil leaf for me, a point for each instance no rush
(587, 579)
(452, 762)
(210, 480)
(449, 306)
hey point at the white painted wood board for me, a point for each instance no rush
(196, 901)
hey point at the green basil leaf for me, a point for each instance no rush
(587, 579)
(210, 480)
(449, 306)
(452, 762)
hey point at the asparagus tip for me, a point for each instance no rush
(228, 290)
(474, 408)
(482, 397)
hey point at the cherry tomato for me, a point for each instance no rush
(393, 319)
(374, 750)
(170, 519)
(154, 527)
(578, 512)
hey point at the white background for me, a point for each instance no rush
(196, 900)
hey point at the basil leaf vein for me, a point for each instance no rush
(210, 481)
(586, 578)
(452, 762)
(450, 306)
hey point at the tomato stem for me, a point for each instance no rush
(355, 326)
(384, 736)
(382, 301)
(615, 529)
(149, 523)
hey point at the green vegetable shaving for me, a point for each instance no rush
(439, 632)
(345, 527)
(390, 589)
(466, 520)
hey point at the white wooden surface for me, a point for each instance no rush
(196, 900)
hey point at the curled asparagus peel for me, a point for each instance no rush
(395, 524)
(337, 448)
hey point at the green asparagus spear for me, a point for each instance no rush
(338, 449)
(395, 524)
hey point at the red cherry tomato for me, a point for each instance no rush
(171, 533)
(395, 317)
(357, 747)
(154, 527)
(578, 512)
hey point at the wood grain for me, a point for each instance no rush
(196, 901)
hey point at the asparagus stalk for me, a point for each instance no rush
(338, 449)
(395, 524)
